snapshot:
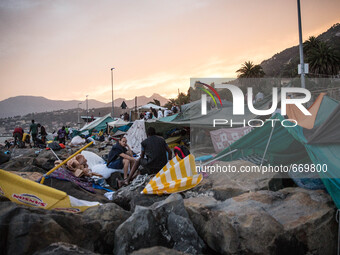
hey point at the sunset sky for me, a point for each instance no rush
(64, 49)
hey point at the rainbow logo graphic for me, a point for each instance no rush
(204, 97)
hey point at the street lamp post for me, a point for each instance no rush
(302, 64)
(87, 109)
(78, 115)
(112, 90)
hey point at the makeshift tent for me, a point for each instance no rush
(168, 118)
(30, 193)
(98, 124)
(294, 145)
(147, 107)
(136, 135)
(190, 114)
(118, 123)
(178, 175)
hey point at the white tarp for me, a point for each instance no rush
(136, 135)
(147, 107)
(118, 123)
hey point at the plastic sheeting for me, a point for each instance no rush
(136, 135)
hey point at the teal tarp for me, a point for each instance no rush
(289, 145)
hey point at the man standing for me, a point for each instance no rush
(34, 132)
(62, 135)
(160, 113)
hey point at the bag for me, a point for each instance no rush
(54, 146)
(181, 151)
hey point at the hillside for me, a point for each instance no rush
(284, 64)
(22, 105)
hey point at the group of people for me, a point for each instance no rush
(20, 137)
(38, 134)
(155, 154)
(125, 117)
(148, 115)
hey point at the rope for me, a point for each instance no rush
(139, 181)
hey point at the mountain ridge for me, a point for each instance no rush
(22, 105)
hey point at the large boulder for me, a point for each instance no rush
(289, 221)
(224, 185)
(21, 164)
(45, 160)
(109, 216)
(129, 198)
(24, 230)
(165, 223)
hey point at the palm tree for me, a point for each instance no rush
(324, 60)
(249, 70)
(310, 44)
(155, 102)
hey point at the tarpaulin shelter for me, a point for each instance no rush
(118, 123)
(277, 144)
(147, 107)
(191, 116)
(98, 124)
(135, 135)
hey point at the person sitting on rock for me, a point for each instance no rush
(155, 150)
(120, 157)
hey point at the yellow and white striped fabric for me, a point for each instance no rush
(178, 175)
(30, 193)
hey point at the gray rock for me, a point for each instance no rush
(44, 163)
(24, 230)
(45, 160)
(165, 223)
(22, 164)
(61, 248)
(290, 221)
(139, 231)
(159, 250)
(109, 216)
(226, 185)
(129, 199)
(34, 229)
(184, 234)
(112, 180)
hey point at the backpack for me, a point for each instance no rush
(181, 151)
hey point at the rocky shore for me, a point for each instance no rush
(224, 214)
